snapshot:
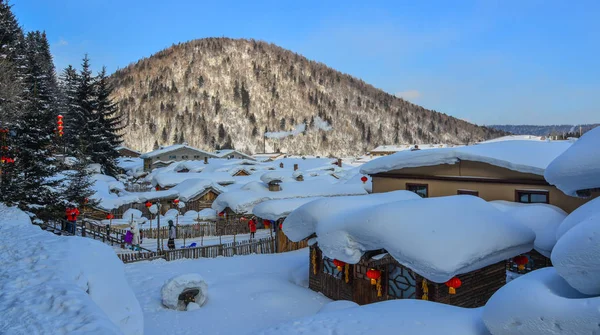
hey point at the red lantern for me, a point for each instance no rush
(109, 216)
(453, 284)
(60, 125)
(521, 261)
(374, 275)
(338, 264)
(60, 117)
(221, 214)
(176, 201)
(157, 188)
(148, 204)
(364, 179)
(60, 122)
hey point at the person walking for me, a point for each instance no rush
(252, 226)
(135, 241)
(71, 214)
(172, 236)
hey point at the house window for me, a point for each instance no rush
(468, 192)
(196, 156)
(532, 196)
(401, 282)
(330, 268)
(421, 189)
(172, 157)
(184, 157)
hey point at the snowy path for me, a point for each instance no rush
(246, 293)
(150, 243)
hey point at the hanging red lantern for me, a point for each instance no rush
(374, 275)
(109, 216)
(3, 159)
(148, 204)
(60, 125)
(157, 188)
(221, 214)
(60, 122)
(176, 201)
(338, 264)
(453, 284)
(364, 179)
(521, 261)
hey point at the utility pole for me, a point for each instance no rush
(158, 227)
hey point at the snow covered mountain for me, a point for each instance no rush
(557, 130)
(218, 92)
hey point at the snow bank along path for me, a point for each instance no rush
(61, 285)
(411, 317)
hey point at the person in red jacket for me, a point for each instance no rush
(71, 214)
(252, 226)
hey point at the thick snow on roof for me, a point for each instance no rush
(515, 138)
(169, 179)
(107, 200)
(191, 188)
(579, 215)
(227, 152)
(167, 149)
(126, 148)
(302, 222)
(406, 316)
(61, 285)
(575, 256)
(438, 238)
(404, 147)
(578, 168)
(277, 176)
(541, 303)
(243, 200)
(543, 219)
(523, 156)
(277, 209)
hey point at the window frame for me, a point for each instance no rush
(409, 185)
(467, 192)
(519, 192)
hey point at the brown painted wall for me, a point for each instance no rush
(488, 190)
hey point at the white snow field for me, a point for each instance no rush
(246, 293)
(410, 317)
(61, 285)
(541, 303)
(579, 215)
(578, 168)
(576, 256)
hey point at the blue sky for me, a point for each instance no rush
(489, 62)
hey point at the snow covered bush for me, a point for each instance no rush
(541, 303)
(60, 285)
(192, 284)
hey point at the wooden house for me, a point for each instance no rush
(127, 152)
(174, 153)
(232, 154)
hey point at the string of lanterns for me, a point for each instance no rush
(59, 127)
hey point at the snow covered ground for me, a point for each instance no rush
(245, 294)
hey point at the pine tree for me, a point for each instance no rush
(12, 61)
(34, 129)
(110, 125)
(82, 114)
(79, 184)
(68, 102)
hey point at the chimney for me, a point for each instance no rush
(281, 165)
(300, 178)
(295, 167)
(274, 186)
(339, 163)
(205, 160)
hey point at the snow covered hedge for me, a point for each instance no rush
(61, 285)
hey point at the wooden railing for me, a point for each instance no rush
(261, 246)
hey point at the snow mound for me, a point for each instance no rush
(522, 156)
(337, 305)
(578, 168)
(579, 215)
(277, 209)
(541, 303)
(411, 317)
(437, 238)
(543, 219)
(61, 285)
(302, 222)
(174, 287)
(576, 256)
(276, 176)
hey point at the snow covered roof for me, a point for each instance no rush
(437, 238)
(126, 148)
(278, 209)
(578, 168)
(515, 138)
(169, 179)
(192, 188)
(226, 152)
(165, 150)
(543, 219)
(404, 147)
(522, 156)
(302, 223)
(244, 199)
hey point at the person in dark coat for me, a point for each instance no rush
(172, 236)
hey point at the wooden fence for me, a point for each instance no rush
(261, 246)
(219, 228)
